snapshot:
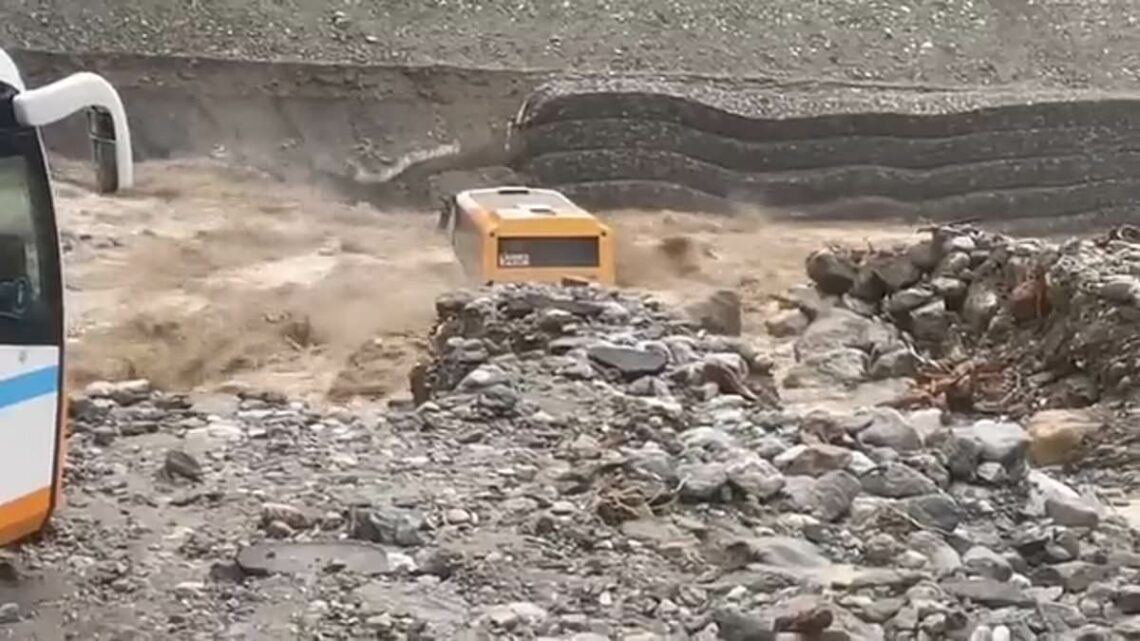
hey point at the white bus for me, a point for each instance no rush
(33, 401)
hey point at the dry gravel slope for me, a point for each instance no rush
(1070, 43)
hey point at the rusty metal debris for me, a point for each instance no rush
(956, 386)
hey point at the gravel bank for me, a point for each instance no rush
(986, 42)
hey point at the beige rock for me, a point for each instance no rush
(788, 322)
(1056, 436)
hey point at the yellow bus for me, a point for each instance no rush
(522, 234)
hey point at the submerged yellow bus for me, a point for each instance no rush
(523, 234)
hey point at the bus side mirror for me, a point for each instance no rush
(101, 131)
(107, 121)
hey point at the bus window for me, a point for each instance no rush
(30, 312)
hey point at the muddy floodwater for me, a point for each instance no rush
(206, 276)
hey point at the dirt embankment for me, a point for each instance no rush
(401, 136)
(983, 42)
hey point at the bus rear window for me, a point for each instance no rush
(544, 251)
(26, 316)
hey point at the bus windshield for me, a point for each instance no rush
(28, 309)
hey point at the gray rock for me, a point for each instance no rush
(179, 464)
(630, 362)
(860, 306)
(650, 386)
(756, 477)
(860, 464)
(833, 274)
(924, 254)
(483, 377)
(392, 526)
(838, 328)
(833, 493)
(910, 299)
(1120, 289)
(897, 272)
(1128, 628)
(103, 435)
(808, 300)
(708, 438)
(868, 288)
(511, 615)
(930, 322)
(988, 592)
(937, 511)
(959, 243)
(845, 366)
(896, 480)
(992, 473)
(799, 490)
(769, 447)
(1001, 442)
(1090, 633)
(953, 264)
(733, 625)
(952, 289)
(943, 558)
(1071, 511)
(928, 424)
(781, 551)
(1062, 504)
(702, 481)
(1074, 576)
(312, 558)
(962, 453)
(889, 429)
(987, 563)
(1060, 617)
(813, 460)
(1127, 599)
(881, 549)
(9, 613)
(895, 364)
(981, 304)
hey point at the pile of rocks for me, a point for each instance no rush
(1059, 319)
(584, 334)
(585, 465)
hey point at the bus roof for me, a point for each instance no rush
(524, 202)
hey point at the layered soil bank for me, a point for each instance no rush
(402, 136)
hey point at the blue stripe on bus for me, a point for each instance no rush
(29, 385)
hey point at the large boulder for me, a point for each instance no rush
(831, 272)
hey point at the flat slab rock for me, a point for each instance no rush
(630, 361)
(988, 592)
(263, 559)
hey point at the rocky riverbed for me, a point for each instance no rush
(584, 464)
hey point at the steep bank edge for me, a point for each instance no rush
(355, 128)
(402, 135)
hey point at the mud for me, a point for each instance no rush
(213, 278)
(206, 275)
